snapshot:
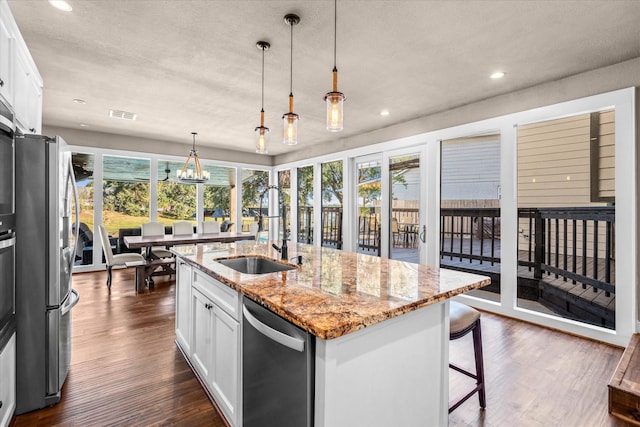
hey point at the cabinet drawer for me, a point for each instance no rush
(8, 383)
(223, 296)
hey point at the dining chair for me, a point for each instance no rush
(156, 229)
(114, 260)
(210, 227)
(182, 227)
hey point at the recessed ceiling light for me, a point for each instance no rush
(61, 5)
(79, 101)
(384, 112)
(84, 125)
(497, 75)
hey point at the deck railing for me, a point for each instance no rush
(575, 244)
(470, 234)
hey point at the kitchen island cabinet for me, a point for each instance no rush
(381, 327)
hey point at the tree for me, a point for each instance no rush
(126, 197)
(332, 182)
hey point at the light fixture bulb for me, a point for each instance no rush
(290, 128)
(335, 111)
(262, 139)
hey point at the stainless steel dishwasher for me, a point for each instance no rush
(277, 370)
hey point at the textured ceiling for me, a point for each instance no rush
(193, 65)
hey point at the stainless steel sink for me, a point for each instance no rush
(255, 265)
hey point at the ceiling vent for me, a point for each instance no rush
(119, 114)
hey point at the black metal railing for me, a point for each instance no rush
(332, 226)
(470, 234)
(305, 224)
(575, 244)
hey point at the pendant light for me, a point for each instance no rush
(262, 132)
(335, 99)
(196, 175)
(291, 119)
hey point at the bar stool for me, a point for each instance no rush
(462, 320)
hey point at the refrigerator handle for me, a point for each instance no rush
(76, 201)
(71, 302)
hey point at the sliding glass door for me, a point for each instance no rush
(407, 230)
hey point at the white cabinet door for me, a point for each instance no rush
(27, 95)
(34, 102)
(8, 383)
(6, 62)
(184, 274)
(202, 330)
(225, 378)
(21, 91)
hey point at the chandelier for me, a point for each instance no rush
(196, 175)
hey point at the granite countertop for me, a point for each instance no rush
(333, 292)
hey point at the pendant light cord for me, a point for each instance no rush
(291, 67)
(335, 31)
(262, 100)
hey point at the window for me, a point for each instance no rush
(332, 204)
(255, 198)
(305, 204)
(125, 197)
(176, 201)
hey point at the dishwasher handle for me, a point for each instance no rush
(286, 340)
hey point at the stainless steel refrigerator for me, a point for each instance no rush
(46, 198)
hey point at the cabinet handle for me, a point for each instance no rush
(208, 306)
(32, 129)
(1, 85)
(0, 403)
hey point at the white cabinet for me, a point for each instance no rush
(20, 81)
(6, 61)
(27, 95)
(215, 338)
(184, 274)
(8, 383)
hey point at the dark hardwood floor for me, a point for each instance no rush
(127, 371)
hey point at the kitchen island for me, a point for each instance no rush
(381, 328)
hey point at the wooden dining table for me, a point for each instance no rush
(145, 270)
(147, 242)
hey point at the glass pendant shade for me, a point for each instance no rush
(262, 139)
(290, 125)
(290, 128)
(335, 111)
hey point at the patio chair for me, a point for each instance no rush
(210, 227)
